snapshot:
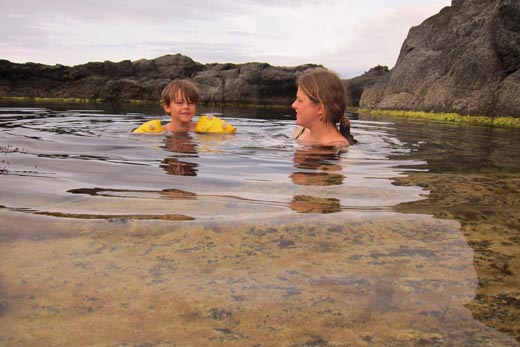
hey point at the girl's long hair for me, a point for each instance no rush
(323, 85)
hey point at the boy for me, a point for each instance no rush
(179, 100)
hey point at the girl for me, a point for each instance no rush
(320, 104)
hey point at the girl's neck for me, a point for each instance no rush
(324, 132)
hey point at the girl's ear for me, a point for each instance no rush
(322, 112)
(321, 108)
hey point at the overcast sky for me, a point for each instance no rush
(348, 36)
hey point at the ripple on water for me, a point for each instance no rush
(242, 239)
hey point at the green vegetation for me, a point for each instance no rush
(510, 122)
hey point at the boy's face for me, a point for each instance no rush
(180, 108)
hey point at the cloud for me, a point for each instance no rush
(378, 39)
(348, 36)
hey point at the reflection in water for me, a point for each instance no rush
(184, 146)
(323, 161)
(473, 178)
(174, 166)
(171, 193)
(316, 178)
(313, 204)
(320, 167)
(221, 259)
(318, 157)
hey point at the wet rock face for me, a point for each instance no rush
(355, 86)
(465, 59)
(252, 83)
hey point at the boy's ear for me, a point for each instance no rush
(166, 108)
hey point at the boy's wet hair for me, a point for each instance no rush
(188, 91)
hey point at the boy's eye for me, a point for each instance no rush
(180, 103)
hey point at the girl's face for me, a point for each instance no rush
(180, 109)
(307, 112)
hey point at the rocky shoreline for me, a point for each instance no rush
(465, 60)
(250, 83)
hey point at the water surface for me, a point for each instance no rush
(252, 239)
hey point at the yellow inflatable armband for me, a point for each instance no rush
(212, 124)
(152, 126)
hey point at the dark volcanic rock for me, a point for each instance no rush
(256, 83)
(355, 86)
(465, 59)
